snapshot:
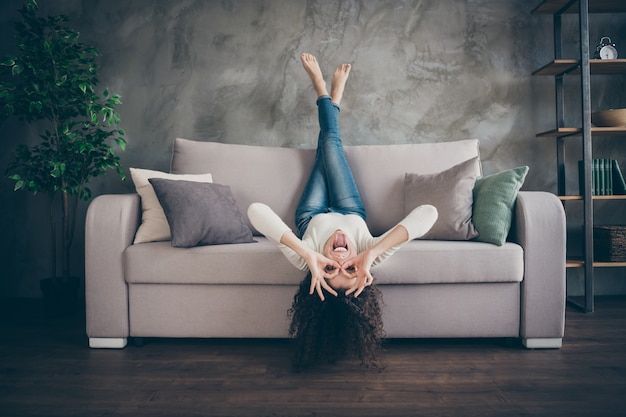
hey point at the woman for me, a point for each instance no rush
(334, 243)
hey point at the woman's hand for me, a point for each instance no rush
(321, 268)
(360, 265)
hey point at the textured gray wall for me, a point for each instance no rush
(229, 71)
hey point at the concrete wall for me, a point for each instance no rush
(229, 71)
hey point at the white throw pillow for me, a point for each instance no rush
(154, 226)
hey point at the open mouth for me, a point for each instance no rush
(340, 243)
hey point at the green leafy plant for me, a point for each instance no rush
(51, 81)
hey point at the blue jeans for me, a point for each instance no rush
(331, 186)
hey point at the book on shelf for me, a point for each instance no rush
(606, 178)
(619, 185)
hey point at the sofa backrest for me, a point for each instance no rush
(276, 176)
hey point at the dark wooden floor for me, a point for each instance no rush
(46, 369)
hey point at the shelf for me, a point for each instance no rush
(576, 263)
(595, 197)
(595, 6)
(572, 263)
(558, 67)
(572, 66)
(562, 132)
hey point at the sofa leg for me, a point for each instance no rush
(107, 342)
(543, 343)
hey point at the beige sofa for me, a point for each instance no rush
(431, 288)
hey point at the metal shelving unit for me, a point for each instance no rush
(583, 67)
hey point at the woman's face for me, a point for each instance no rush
(340, 249)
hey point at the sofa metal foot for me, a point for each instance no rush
(543, 343)
(107, 342)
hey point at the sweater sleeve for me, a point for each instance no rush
(273, 227)
(267, 222)
(419, 221)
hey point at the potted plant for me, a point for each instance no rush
(51, 81)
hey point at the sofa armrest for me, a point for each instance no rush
(539, 227)
(110, 227)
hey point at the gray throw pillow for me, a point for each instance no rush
(450, 191)
(201, 213)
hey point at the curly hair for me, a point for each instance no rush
(341, 327)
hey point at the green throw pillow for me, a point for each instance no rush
(494, 200)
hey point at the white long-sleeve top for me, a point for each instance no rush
(322, 226)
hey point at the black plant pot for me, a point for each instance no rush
(60, 295)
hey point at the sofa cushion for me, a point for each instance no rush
(417, 262)
(201, 213)
(154, 226)
(450, 191)
(259, 263)
(450, 262)
(276, 176)
(494, 200)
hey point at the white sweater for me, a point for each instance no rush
(322, 226)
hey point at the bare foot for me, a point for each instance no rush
(313, 69)
(339, 82)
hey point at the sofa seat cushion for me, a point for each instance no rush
(262, 263)
(259, 262)
(433, 262)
